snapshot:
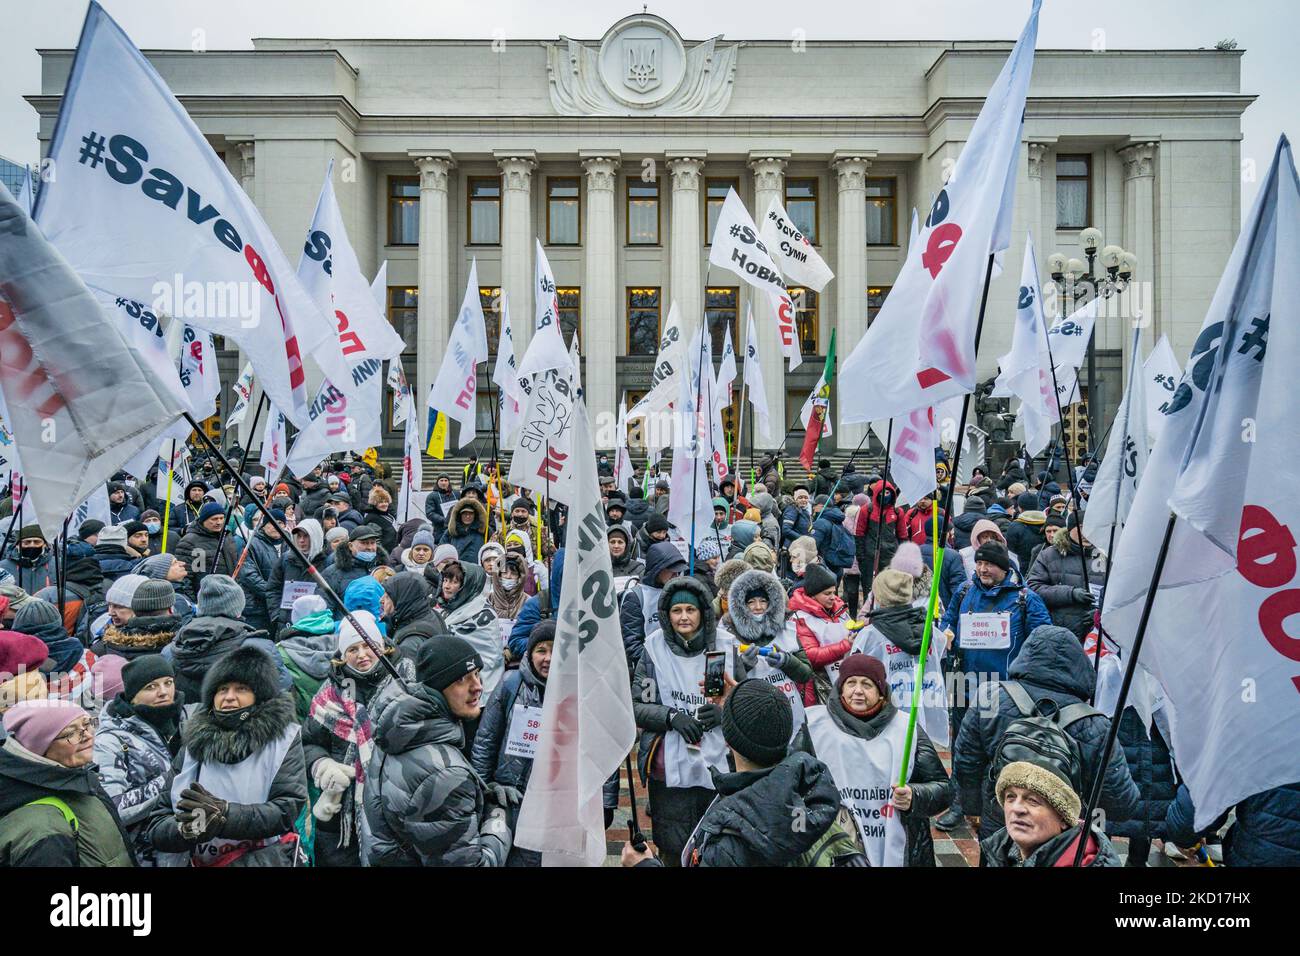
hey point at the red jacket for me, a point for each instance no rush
(819, 655)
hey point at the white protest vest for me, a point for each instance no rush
(248, 781)
(678, 680)
(900, 669)
(826, 632)
(650, 608)
(864, 772)
(785, 641)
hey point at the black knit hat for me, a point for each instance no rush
(656, 522)
(248, 665)
(444, 660)
(542, 631)
(816, 579)
(141, 671)
(757, 722)
(994, 553)
(89, 528)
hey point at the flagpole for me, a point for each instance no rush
(695, 426)
(167, 501)
(1131, 667)
(62, 576)
(322, 585)
(717, 535)
(243, 464)
(496, 457)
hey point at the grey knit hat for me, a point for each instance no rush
(155, 566)
(220, 596)
(36, 614)
(153, 595)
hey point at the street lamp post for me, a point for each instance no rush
(1079, 284)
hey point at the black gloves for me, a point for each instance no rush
(709, 715)
(1081, 596)
(691, 730)
(199, 813)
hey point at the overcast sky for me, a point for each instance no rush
(1264, 28)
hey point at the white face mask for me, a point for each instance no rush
(509, 584)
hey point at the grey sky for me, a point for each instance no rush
(1264, 28)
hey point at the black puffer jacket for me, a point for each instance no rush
(199, 539)
(749, 823)
(1152, 768)
(1054, 575)
(413, 620)
(1051, 666)
(637, 514)
(255, 578)
(424, 802)
(346, 568)
(519, 688)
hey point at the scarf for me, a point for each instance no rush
(505, 603)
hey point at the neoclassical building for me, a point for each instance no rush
(616, 153)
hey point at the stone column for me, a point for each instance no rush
(1139, 238)
(769, 182)
(1044, 240)
(686, 286)
(601, 307)
(434, 271)
(850, 272)
(517, 241)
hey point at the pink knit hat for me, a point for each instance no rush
(107, 671)
(35, 723)
(908, 559)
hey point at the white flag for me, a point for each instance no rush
(794, 254)
(274, 438)
(911, 460)
(344, 416)
(1226, 464)
(754, 381)
(738, 248)
(1121, 470)
(921, 347)
(243, 389)
(142, 330)
(26, 195)
(587, 726)
(1162, 374)
(77, 398)
(505, 375)
(455, 390)
(726, 370)
(144, 209)
(95, 507)
(690, 506)
(543, 459)
(196, 367)
(412, 463)
(622, 457)
(666, 386)
(711, 405)
(1026, 371)
(546, 350)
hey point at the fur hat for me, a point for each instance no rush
(893, 588)
(379, 495)
(908, 559)
(726, 573)
(1055, 790)
(246, 665)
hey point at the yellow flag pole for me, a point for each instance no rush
(167, 507)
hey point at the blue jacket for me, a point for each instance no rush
(834, 543)
(531, 612)
(1267, 831)
(952, 576)
(1152, 769)
(794, 523)
(1027, 612)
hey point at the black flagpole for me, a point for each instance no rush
(243, 464)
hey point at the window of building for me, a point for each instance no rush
(642, 321)
(642, 213)
(875, 299)
(563, 211)
(490, 298)
(403, 312)
(882, 212)
(484, 210)
(1073, 191)
(403, 210)
(721, 306)
(801, 204)
(715, 194)
(805, 318)
(570, 303)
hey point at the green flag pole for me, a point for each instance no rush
(930, 607)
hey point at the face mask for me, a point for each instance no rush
(31, 554)
(153, 527)
(365, 557)
(509, 584)
(518, 521)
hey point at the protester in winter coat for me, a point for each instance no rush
(756, 607)
(424, 803)
(85, 591)
(465, 529)
(412, 621)
(242, 780)
(417, 551)
(1152, 768)
(796, 519)
(48, 780)
(1043, 827)
(1266, 831)
(466, 613)
(545, 603)
(834, 544)
(137, 738)
(69, 676)
(187, 512)
(214, 631)
(506, 594)
(198, 547)
(260, 564)
(1050, 666)
(1027, 528)
(338, 736)
(150, 627)
(379, 513)
(436, 505)
(165, 567)
(1057, 576)
(114, 555)
(639, 612)
(306, 646)
(120, 509)
(624, 562)
(982, 532)
(355, 558)
(877, 528)
(638, 509)
(30, 562)
(520, 696)
(311, 541)
(723, 578)
(674, 716)
(819, 617)
(769, 520)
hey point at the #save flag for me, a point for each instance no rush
(1121, 470)
(78, 400)
(587, 725)
(927, 322)
(344, 416)
(666, 384)
(412, 463)
(243, 389)
(911, 460)
(1026, 371)
(726, 370)
(455, 390)
(738, 248)
(794, 254)
(546, 349)
(754, 380)
(145, 209)
(274, 438)
(1162, 374)
(1068, 340)
(1220, 634)
(505, 375)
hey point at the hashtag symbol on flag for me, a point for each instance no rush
(734, 230)
(92, 149)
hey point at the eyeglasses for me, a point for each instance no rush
(84, 730)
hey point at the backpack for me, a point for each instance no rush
(840, 845)
(840, 551)
(1040, 738)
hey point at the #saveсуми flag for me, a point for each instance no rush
(1162, 375)
(505, 376)
(1219, 638)
(815, 413)
(798, 258)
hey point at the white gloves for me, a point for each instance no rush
(329, 804)
(331, 776)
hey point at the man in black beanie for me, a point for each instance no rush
(423, 801)
(775, 806)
